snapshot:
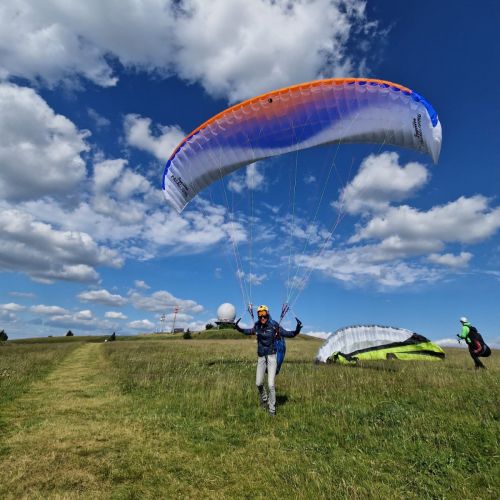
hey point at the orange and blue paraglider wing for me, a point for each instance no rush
(350, 110)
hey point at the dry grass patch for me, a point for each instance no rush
(69, 433)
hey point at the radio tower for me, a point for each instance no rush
(176, 310)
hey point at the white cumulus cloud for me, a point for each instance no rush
(451, 260)
(51, 310)
(139, 133)
(11, 307)
(40, 151)
(163, 301)
(142, 324)
(194, 230)
(141, 284)
(241, 48)
(360, 265)
(251, 179)
(80, 320)
(46, 253)
(466, 220)
(102, 297)
(114, 315)
(234, 49)
(85, 315)
(380, 181)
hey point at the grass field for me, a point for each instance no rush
(166, 417)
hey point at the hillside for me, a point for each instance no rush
(179, 418)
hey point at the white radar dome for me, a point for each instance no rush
(226, 313)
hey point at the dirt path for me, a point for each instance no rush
(67, 435)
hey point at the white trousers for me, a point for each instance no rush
(270, 363)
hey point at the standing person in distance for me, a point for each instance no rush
(477, 346)
(268, 331)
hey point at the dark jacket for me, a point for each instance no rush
(267, 335)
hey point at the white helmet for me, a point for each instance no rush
(463, 319)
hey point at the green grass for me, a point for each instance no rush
(20, 367)
(180, 419)
(206, 334)
(59, 340)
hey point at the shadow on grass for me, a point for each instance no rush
(215, 362)
(228, 361)
(281, 399)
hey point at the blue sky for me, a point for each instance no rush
(94, 98)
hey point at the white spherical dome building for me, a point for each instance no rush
(226, 313)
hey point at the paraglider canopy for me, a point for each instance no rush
(377, 342)
(338, 110)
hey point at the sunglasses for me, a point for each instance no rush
(263, 315)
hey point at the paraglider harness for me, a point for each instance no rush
(476, 343)
(279, 341)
